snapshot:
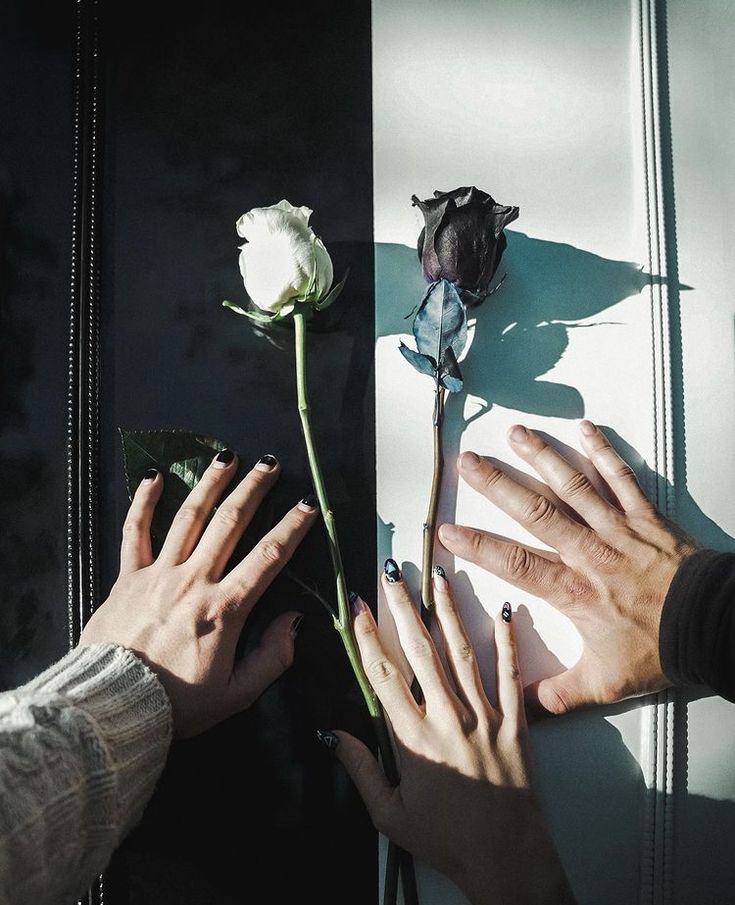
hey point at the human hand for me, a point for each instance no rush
(610, 573)
(182, 614)
(464, 803)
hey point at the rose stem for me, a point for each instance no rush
(427, 556)
(343, 619)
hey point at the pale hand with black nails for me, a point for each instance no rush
(464, 804)
(610, 565)
(183, 612)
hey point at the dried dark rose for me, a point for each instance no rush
(462, 240)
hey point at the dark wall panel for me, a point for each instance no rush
(210, 113)
(206, 112)
(35, 244)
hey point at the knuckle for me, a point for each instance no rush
(380, 671)
(464, 652)
(226, 606)
(575, 485)
(576, 588)
(189, 513)
(272, 552)
(556, 701)
(623, 472)
(603, 554)
(538, 510)
(231, 516)
(476, 545)
(513, 670)
(518, 562)
(492, 477)
(420, 649)
(132, 528)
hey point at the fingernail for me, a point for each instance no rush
(518, 433)
(357, 605)
(392, 572)
(309, 503)
(296, 625)
(507, 612)
(587, 428)
(327, 738)
(440, 577)
(151, 474)
(448, 532)
(469, 461)
(266, 463)
(223, 458)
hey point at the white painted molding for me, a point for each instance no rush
(657, 719)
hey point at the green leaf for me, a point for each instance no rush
(182, 457)
(333, 294)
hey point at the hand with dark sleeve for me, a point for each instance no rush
(652, 609)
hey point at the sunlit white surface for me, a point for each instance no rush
(539, 104)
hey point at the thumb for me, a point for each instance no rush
(379, 795)
(558, 694)
(262, 666)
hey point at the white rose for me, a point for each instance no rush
(281, 257)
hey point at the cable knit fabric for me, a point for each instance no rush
(81, 748)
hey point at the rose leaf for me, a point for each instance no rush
(450, 375)
(441, 321)
(424, 364)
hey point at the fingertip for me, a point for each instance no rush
(268, 464)
(587, 428)
(468, 461)
(439, 579)
(225, 459)
(449, 533)
(363, 621)
(151, 482)
(504, 623)
(308, 504)
(517, 433)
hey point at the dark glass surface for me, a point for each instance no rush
(35, 243)
(209, 114)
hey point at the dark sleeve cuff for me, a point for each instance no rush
(697, 633)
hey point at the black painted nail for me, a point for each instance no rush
(327, 738)
(151, 474)
(310, 500)
(296, 625)
(392, 572)
(357, 604)
(439, 571)
(507, 612)
(269, 460)
(225, 456)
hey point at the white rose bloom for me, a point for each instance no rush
(279, 255)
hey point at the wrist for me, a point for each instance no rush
(524, 871)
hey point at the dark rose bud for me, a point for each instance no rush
(462, 240)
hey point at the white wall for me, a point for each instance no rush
(540, 104)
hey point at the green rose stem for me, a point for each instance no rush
(429, 535)
(343, 622)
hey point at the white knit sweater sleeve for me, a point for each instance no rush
(81, 748)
